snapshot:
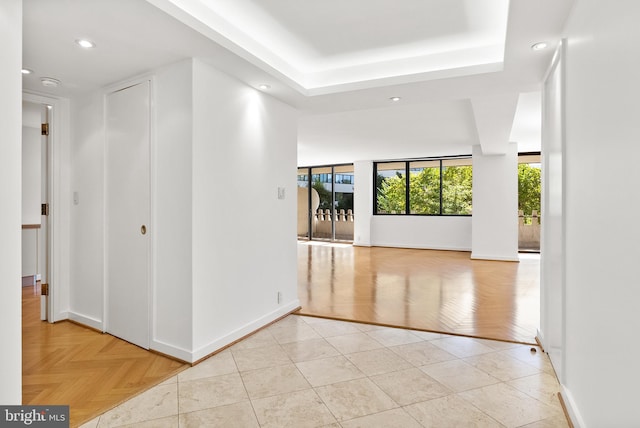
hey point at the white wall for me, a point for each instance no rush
(244, 241)
(495, 205)
(601, 155)
(172, 210)
(87, 216)
(10, 217)
(224, 245)
(427, 232)
(436, 233)
(362, 202)
(552, 255)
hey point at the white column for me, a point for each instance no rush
(495, 205)
(362, 203)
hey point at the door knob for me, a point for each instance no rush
(143, 229)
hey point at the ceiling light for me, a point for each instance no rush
(50, 82)
(26, 71)
(87, 44)
(395, 99)
(539, 46)
(264, 86)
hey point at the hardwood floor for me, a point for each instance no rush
(442, 291)
(65, 363)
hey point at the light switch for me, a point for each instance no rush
(280, 192)
(76, 198)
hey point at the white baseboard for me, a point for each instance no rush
(540, 338)
(572, 409)
(173, 351)
(60, 316)
(242, 331)
(419, 247)
(475, 256)
(86, 320)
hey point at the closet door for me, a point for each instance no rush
(127, 214)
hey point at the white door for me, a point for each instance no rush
(127, 214)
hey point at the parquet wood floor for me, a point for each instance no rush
(442, 291)
(65, 363)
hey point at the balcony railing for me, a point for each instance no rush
(529, 231)
(343, 221)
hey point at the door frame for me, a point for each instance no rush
(310, 213)
(58, 180)
(147, 77)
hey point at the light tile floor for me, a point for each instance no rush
(313, 372)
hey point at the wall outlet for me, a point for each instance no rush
(280, 192)
(279, 297)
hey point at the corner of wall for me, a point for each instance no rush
(243, 331)
(572, 408)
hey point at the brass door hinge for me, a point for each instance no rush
(44, 128)
(44, 209)
(44, 289)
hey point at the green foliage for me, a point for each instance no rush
(424, 191)
(391, 194)
(528, 188)
(325, 195)
(457, 192)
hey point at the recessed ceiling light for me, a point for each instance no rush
(50, 82)
(395, 99)
(87, 44)
(539, 46)
(26, 71)
(264, 86)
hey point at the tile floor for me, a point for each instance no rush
(313, 372)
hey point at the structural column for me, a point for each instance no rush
(495, 205)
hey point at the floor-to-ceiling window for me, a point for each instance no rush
(529, 186)
(325, 202)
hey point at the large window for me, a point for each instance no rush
(325, 202)
(424, 187)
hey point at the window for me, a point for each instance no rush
(456, 186)
(344, 179)
(325, 208)
(391, 187)
(424, 187)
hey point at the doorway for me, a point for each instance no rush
(529, 202)
(325, 202)
(127, 193)
(35, 201)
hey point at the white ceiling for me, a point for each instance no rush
(328, 46)
(338, 61)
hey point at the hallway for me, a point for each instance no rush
(67, 364)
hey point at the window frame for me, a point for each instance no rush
(407, 177)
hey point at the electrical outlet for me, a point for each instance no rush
(279, 297)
